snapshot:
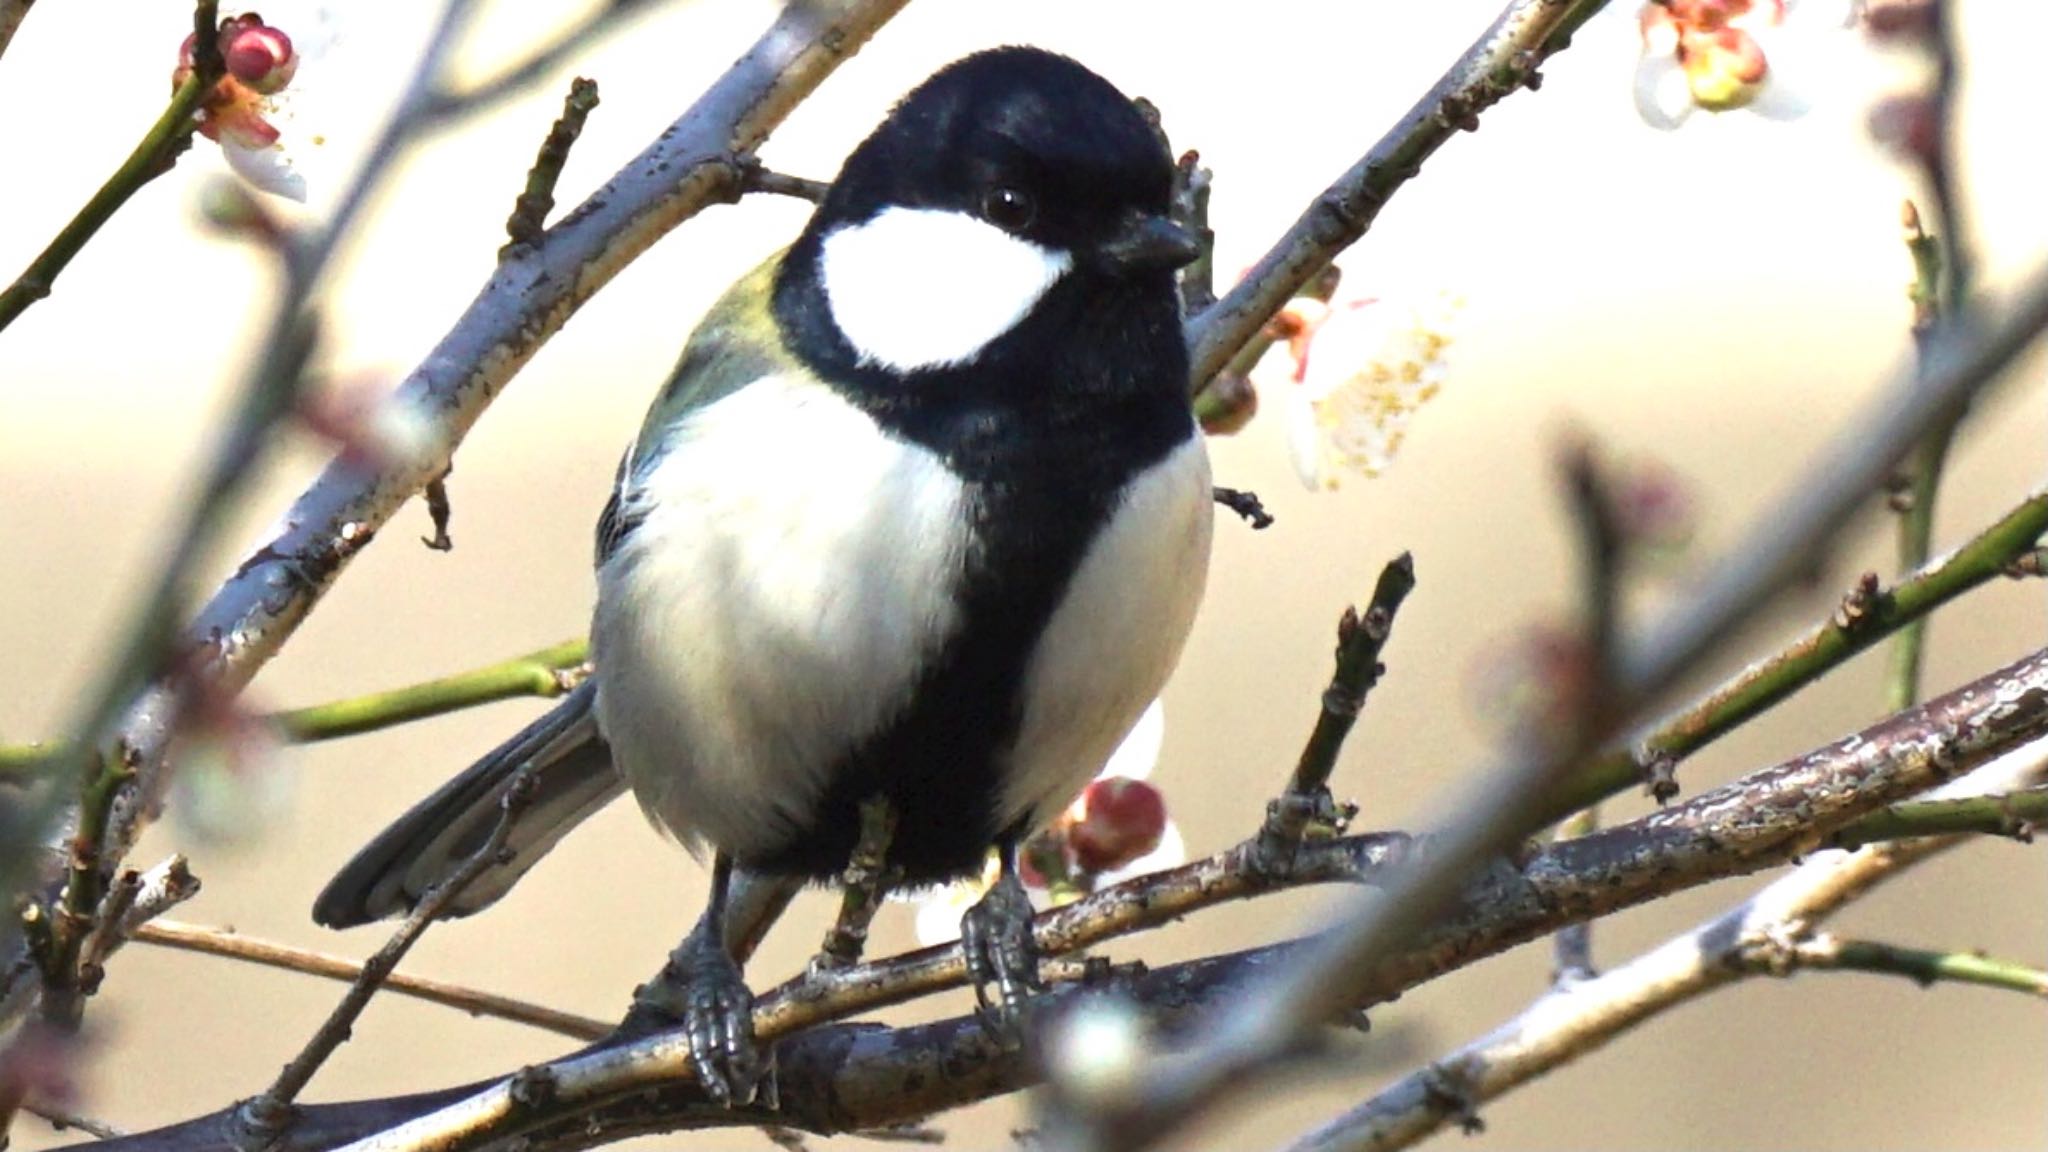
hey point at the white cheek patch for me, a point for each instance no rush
(920, 288)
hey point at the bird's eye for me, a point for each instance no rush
(1008, 207)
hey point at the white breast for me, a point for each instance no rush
(792, 573)
(1114, 639)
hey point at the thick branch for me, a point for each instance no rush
(848, 1077)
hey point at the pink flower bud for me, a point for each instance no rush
(259, 56)
(1121, 820)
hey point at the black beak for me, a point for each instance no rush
(1147, 244)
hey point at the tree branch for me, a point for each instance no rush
(235, 946)
(1579, 1018)
(1502, 60)
(848, 1077)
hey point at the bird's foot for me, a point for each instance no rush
(1001, 957)
(701, 990)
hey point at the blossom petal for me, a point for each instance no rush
(269, 169)
(1663, 97)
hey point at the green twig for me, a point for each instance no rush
(2014, 814)
(153, 157)
(1821, 649)
(546, 673)
(1923, 966)
(1922, 482)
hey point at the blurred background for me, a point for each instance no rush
(1718, 298)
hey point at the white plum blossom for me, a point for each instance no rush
(1770, 57)
(1350, 377)
(258, 112)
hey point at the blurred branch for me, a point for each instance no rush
(1823, 647)
(1579, 1018)
(152, 157)
(1921, 484)
(59, 1119)
(846, 1077)
(449, 103)
(235, 946)
(12, 13)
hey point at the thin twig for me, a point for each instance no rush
(1306, 802)
(756, 178)
(151, 158)
(861, 886)
(2016, 815)
(267, 1114)
(1825, 645)
(530, 210)
(61, 1119)
(232, 945)
(545, 673)
(1503, 59)
(1923, 966)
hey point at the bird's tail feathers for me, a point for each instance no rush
(573, 778)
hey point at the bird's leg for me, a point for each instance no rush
(996, 942)
(701, 989)
(861, 887)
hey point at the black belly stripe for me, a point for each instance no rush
(1046, 440)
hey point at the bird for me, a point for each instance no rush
(922, 516)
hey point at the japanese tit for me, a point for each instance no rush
(922, 514)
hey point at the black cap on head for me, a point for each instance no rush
(1027, 139)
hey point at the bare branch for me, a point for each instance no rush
(235, 946)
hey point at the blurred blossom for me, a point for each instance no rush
(227, 784)
(1116, 829)
(257, 112)
(373, 427)
(1654, 506)
(1769, 56)
(1095, 1050)
(1537, 685)
(1350, 377)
